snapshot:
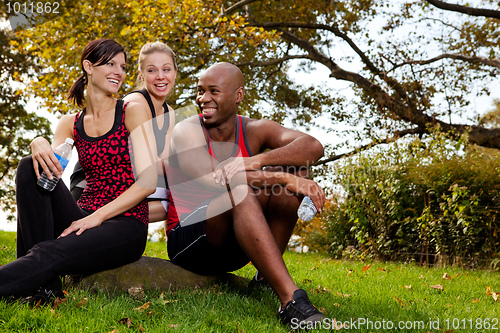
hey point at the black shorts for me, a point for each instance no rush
(188, 247)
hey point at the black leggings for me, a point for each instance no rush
(42, 257)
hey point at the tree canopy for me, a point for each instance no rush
(410, 65)
(17, 126)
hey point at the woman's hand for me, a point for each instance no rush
(43, 156)
(91, 221)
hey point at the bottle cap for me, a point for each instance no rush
(69, 141)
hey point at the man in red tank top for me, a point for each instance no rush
(233, 201)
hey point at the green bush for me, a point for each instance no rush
(433, 201)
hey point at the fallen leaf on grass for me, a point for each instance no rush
(491, 293)
(446, 276)
(306, 281)
(381, 269)
(337, 326)
(125, 321)
(437, 286)
(312, 269)
(58, 302)
(399, 301)
(83, 301)
(408, 287)
(170, 301)
(143, 307)
(38, 303)
(129, 323)
(476, 300)
(367, 267)
(321, 289)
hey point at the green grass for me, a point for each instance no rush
(348, 291)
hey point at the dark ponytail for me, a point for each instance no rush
(75, 94)
(98, 52)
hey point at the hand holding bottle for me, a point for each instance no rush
(63, 154)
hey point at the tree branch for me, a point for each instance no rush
(397, 135)
(336, 31)
(465, 9)
(274, 61)
(326, 61)
(237, 6)
(472, 60)
(398, 104)
(402, 107)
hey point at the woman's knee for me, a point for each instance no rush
(25, 162)
(25, 170)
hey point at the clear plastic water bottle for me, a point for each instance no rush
(306, 210)
(63, 154)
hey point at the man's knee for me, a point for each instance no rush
(240, 194)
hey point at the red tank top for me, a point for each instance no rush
(107, 165)
(186, 196)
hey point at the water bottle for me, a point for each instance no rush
(63, 154)
(306, 210)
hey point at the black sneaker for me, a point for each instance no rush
(300, 313)
(261, 284)
(42, 297)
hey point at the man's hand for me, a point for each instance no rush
(43, 155)
(225, 171)
(307, 187)
(88, 222)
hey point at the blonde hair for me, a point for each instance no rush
(151, 48)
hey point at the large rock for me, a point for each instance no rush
(150, 273)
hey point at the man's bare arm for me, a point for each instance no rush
(277, 146)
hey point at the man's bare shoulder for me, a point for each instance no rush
(257, 125)
(262, 127)
(188, 122)
(187, 126)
